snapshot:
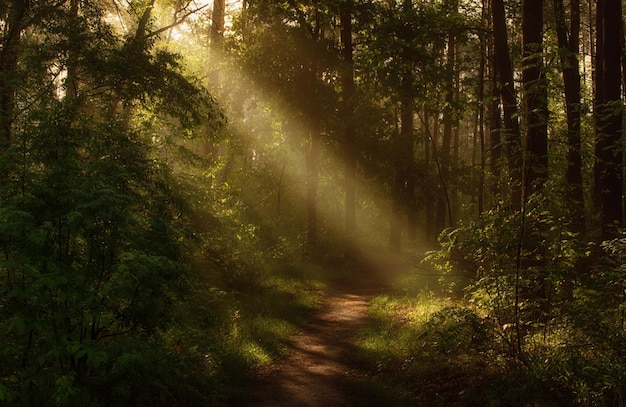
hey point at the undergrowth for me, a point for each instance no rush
(234, 331)
(428, 349)
(543, 329)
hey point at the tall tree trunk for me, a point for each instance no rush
(429, 210)
(347, 83)
(535, 157)
(495, 142)
(443, 155)
(14, 24)
(395, 221)
(216, 35)
(569, 50)
(313, 153)
(510, 131)
(495, 128)
(404, 144)
(404, 168)
(598, 100)
(216, 39)
(480, 120)
(609, 167)
(536, 98)
(407, 115)
(312, 182)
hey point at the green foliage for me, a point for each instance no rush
(92, 265)
(505, 260)
(452, 330)
(555, 302)
(427, 349)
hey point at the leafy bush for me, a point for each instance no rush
(456, 329)
(556, 302)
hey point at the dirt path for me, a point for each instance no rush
(316, 371)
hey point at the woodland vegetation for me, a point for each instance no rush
(179, 179)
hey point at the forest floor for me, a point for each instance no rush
(317, 370)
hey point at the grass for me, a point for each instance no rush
(247, 323)
(419, 347)
(424, 348)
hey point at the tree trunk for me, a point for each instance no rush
(429, 228)
(404, 145)
(510, 130)
(536, 98)
(609, 118)
(495, 142)
(480, 122)
(536, 157)
(216, 39)
(14, 24)
(312, 170)
(216, 35)
(312, 181)
(395, 221)
(347, 84)
(404, 168)
(598, 98)
(446, 140)
(569, 49)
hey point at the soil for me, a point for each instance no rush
(316, 371)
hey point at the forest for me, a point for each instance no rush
(184, 182)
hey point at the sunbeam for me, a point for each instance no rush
(279, 137)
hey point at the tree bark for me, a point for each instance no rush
(16, 12)
(510, 131)
(479, 127)
(429, 227)
(404, 145)
(313, 153)
(609, 167)
(568, 52)
(446, 139)
(536, 98)
(216, 35)
(495, 142)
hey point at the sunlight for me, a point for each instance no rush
(289, 160)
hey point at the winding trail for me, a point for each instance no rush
(316, 371)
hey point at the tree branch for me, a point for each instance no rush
(175, 23)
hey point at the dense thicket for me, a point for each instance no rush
(92, 255)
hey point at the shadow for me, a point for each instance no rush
(317, 371)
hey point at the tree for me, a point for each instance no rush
(506, 84)
(568, 41)
(14, 15)
(444, 209)
(217, 22)
(535, 97)
(92, 258)
(608, 113)
(404, 140)
(348, 116)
